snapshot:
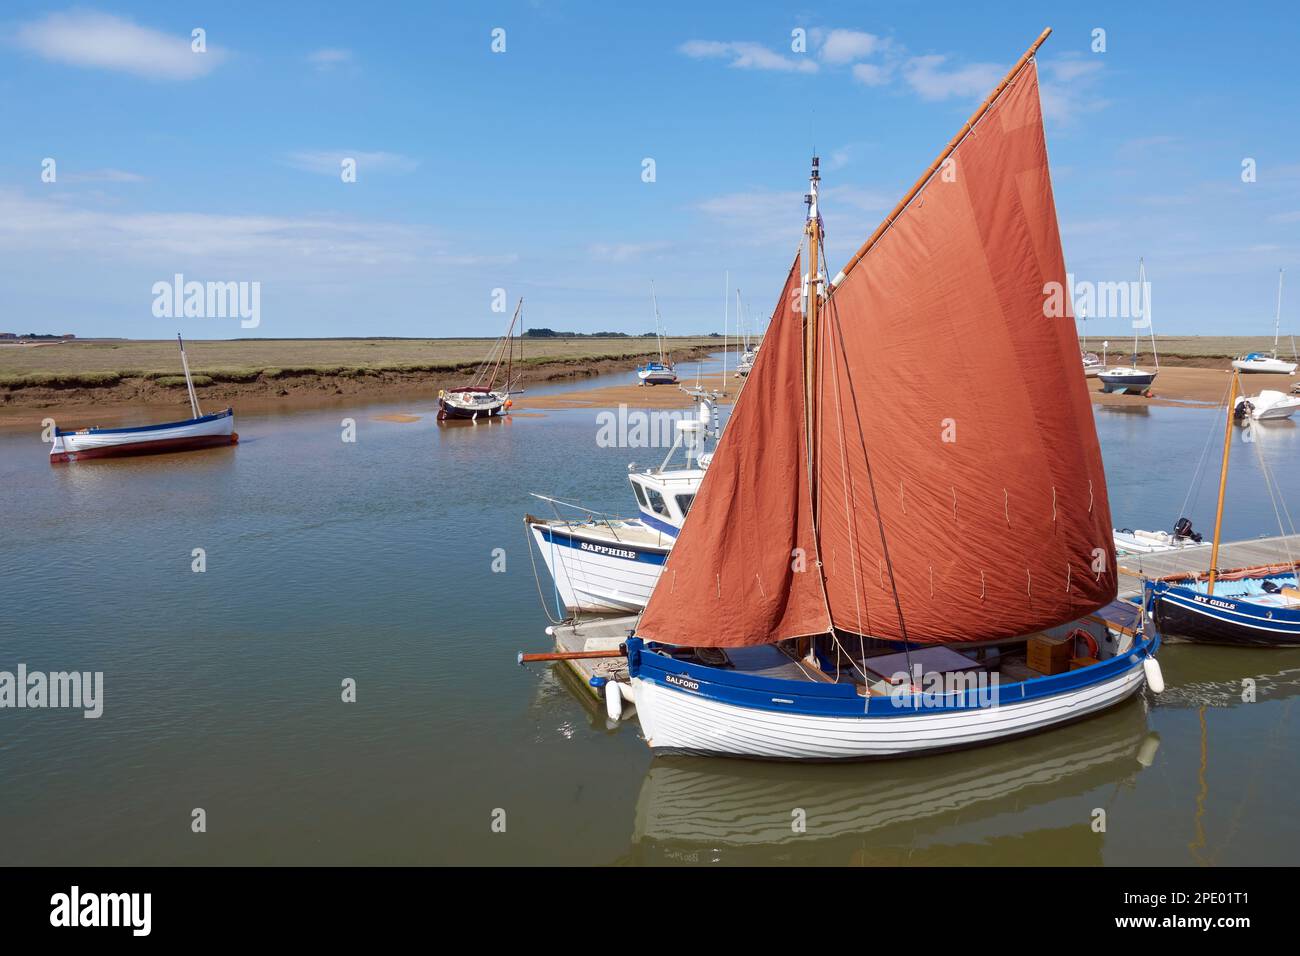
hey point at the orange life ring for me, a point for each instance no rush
(1094, 650)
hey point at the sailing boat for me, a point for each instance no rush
(200, 431)
(1092, 362)
(1257, 362)
(853, 583)
(1253, 606)
(1131, 379)
(662, 371)
(746, 363)
(483, 398)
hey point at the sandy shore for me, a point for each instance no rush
(1181, 382)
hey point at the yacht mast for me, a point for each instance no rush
(1277, 315)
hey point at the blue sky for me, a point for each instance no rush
(522, 170)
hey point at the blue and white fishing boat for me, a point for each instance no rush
(598, 563)
(850, 585)
(199, 431)
(1257, 606)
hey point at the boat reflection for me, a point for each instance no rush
(963, 807)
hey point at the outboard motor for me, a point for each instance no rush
(1183, 529)
(1243, 411)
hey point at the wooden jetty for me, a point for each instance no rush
(1249, 553)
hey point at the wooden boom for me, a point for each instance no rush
(567, 656)
(952, 145)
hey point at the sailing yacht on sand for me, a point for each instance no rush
(1132, 380)
(1257, 362)
(200, 431)
(483, 398)
(852, 584)
(662, 371)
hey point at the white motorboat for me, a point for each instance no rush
(1092, 364)
(1261, 362)
(1268, 406)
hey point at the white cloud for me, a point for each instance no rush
(627, 251)
(103, 41)
(329, 57)
(1066, 88)
(329, 162)
(873, 74)
(255, 245)
(101, 176)
(845, 46)
(745, 55)
(927, 76)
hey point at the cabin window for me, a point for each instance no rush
(657, 503)
(640, 495)
(684, 503)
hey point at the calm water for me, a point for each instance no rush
(373, 561)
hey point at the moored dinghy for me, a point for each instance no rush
(774, 635)
(200, 431)
(1257, 606)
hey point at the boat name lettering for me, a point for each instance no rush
(615, 552)
(685, 683)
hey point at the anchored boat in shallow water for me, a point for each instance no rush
(200, 431)
(854, 584)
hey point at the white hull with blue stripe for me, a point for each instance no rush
(689, 708)
(600, 565)
(203, 432)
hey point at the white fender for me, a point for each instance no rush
(629, 694)
(1155, 679)
(613, 700)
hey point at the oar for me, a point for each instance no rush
(567, 656)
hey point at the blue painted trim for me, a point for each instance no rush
(147, 428)
(658, 523)
(774, 695)
(567, 539)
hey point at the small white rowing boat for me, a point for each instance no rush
(200, 431)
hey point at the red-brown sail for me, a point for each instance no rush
(960, 484)
(744, 568)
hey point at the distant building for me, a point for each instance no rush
(68, 335)
(8, 335)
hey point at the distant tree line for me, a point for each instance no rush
(552, 334)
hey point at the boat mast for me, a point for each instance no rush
(654, 304)
(1277, 316)
(813, 229)
(1223, 484)
(189, 381)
